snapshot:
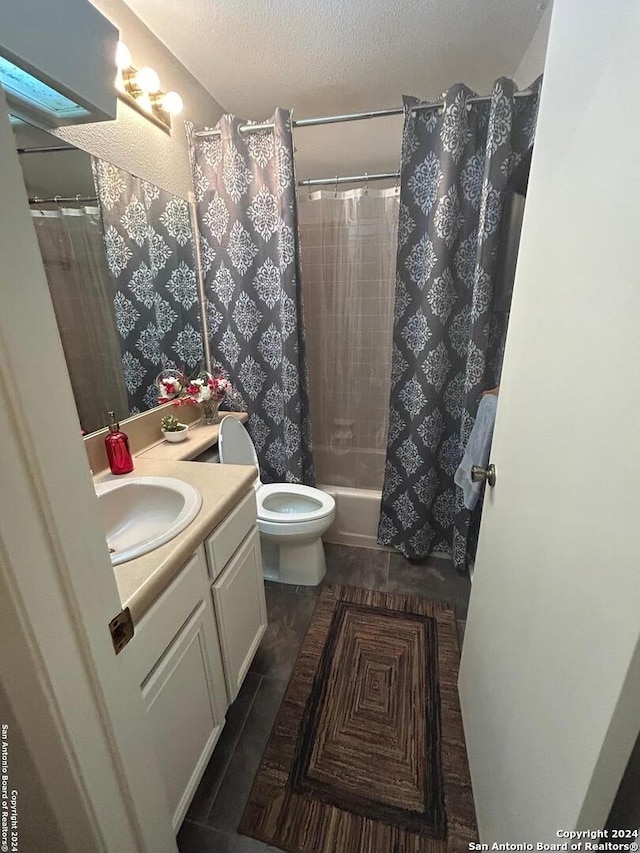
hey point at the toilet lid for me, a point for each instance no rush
(234, 444)
(291, 502)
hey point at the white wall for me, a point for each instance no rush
(532, 63)
(132, 142)
(550, 671)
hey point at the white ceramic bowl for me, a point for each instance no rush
(175, 437)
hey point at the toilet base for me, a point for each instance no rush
(300, 563)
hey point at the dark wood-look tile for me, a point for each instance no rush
(310, 591)
(211, 781)
(363, 567)
(289, 615)
(430, 578)
(232, 796)
(195, 838)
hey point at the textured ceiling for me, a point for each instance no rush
(323, 57)
(326, 56)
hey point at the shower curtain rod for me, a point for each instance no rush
(350, 179)
(395, 111)
(62, 199)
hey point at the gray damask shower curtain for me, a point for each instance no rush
(246, 209)
(447, 339)
(148, 241)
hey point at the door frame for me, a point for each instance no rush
(79, 709)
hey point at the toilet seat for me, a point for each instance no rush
(291, 518)
(284, 503)
(288, 503)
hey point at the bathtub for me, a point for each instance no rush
(357, 514)
(353, 477)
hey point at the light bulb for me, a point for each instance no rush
(123, 56)
(147, 80)
(172, 103)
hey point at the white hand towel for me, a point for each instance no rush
(477, 450)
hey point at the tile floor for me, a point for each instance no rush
(214, 814)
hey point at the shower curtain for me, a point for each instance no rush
(447, 340)
(148, 241)
(72, 250)
(246, 208)
(348, 242)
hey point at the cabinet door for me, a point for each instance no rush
(241, 611)
(185, 699)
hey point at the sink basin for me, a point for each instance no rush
(142, 513)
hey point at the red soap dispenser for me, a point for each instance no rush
(118, 453)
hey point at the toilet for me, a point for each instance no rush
(291, 518)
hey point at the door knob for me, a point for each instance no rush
(479, 474)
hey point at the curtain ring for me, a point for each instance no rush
(335, 192)
(366, 183)
(397, 182)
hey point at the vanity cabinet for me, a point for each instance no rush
(235, 566)
(177, 661)
(241, 611)
(193, 647)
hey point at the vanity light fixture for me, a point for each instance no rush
(141, 90)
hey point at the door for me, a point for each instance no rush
(78, 709)
(241, 611)
(550, 670)
(185, 686)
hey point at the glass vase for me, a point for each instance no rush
(210, 411)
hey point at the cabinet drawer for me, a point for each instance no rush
(226, 538)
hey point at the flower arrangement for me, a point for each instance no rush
(207, 387)
(202, 390)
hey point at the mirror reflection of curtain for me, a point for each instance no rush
(72, 251)
(348, 244)
(148, 240)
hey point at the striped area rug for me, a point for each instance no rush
(367, 752)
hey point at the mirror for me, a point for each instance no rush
(118, 253)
